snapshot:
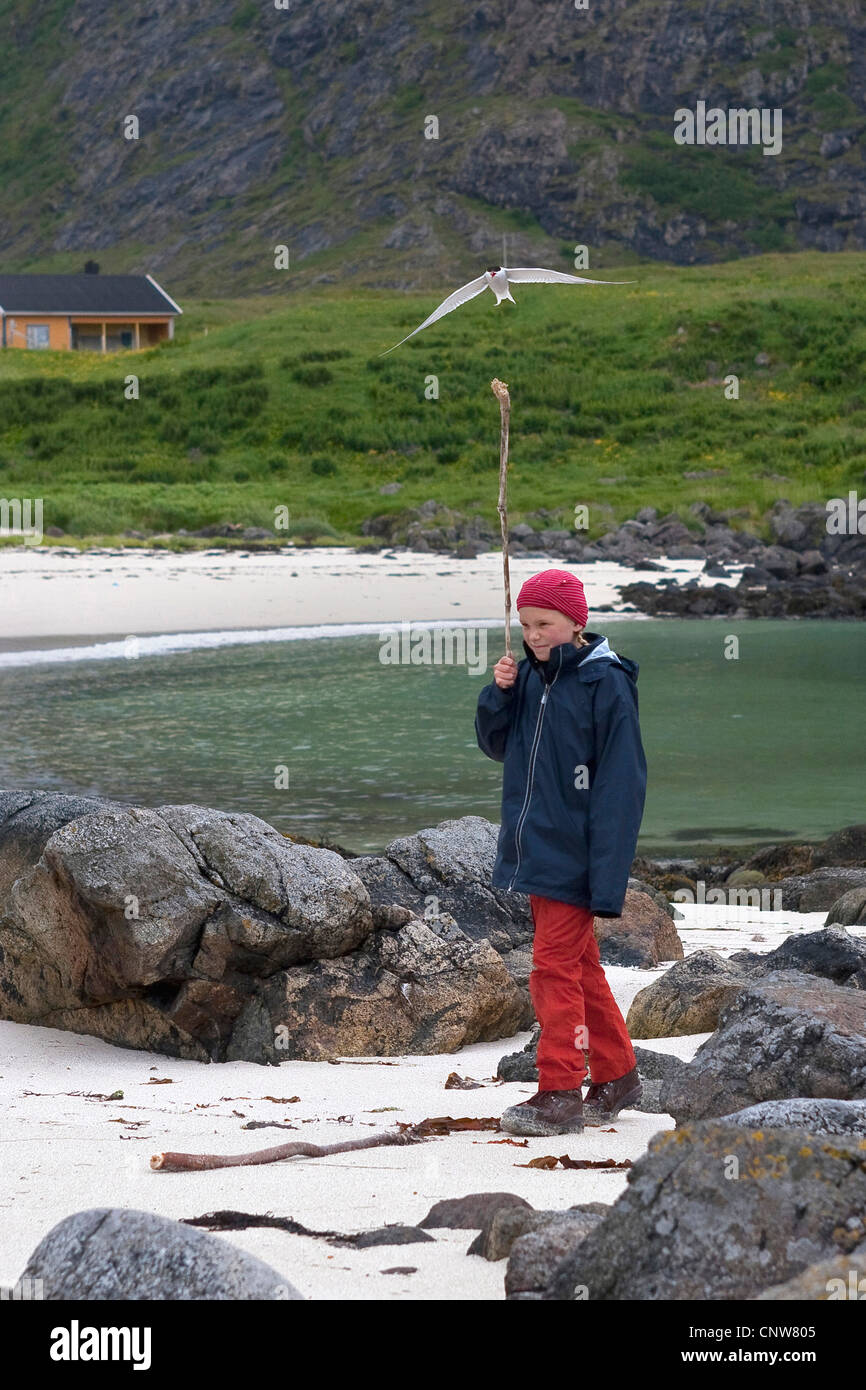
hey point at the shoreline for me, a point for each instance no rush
(51, 597)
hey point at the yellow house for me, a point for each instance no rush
(90, 312)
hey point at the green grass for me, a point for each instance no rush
(285, 403)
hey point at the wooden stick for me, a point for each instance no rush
(184, 1163)
(500, 390)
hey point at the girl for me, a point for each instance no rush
(564, 723)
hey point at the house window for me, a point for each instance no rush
(38, 335)
(118, 335)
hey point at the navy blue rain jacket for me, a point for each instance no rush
(576, 710)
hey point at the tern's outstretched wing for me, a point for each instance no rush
(461, 296)
(533, 274)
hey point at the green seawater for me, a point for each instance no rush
(768, 746)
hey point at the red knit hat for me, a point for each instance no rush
(555, 589)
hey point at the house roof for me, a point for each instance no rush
(84, 294)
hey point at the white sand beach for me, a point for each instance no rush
(52, 594)
(64, 1151)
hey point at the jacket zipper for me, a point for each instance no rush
(531, 773)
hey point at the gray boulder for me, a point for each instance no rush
(783, 1036)
(112, 1253)
(521, 1066)
(801, 528)
(716, 1211)
(548, 1244)
(151, 928)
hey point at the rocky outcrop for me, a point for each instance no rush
(112, 1253)
(718, 1211)
(313, 119)
(786, 1035)
(826, 578)
(211, 936)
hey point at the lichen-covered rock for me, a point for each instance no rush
(716, 1211)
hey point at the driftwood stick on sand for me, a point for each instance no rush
(500, 390)
(185, 1163)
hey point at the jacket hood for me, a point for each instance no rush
(566, 656)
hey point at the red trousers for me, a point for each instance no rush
(573, 1003)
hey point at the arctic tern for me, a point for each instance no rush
(498, 279)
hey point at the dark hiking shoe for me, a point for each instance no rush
(604, 1101)
(547, 1112)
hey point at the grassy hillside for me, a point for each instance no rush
(261, 403)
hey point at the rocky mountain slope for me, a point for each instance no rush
(306, 126)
